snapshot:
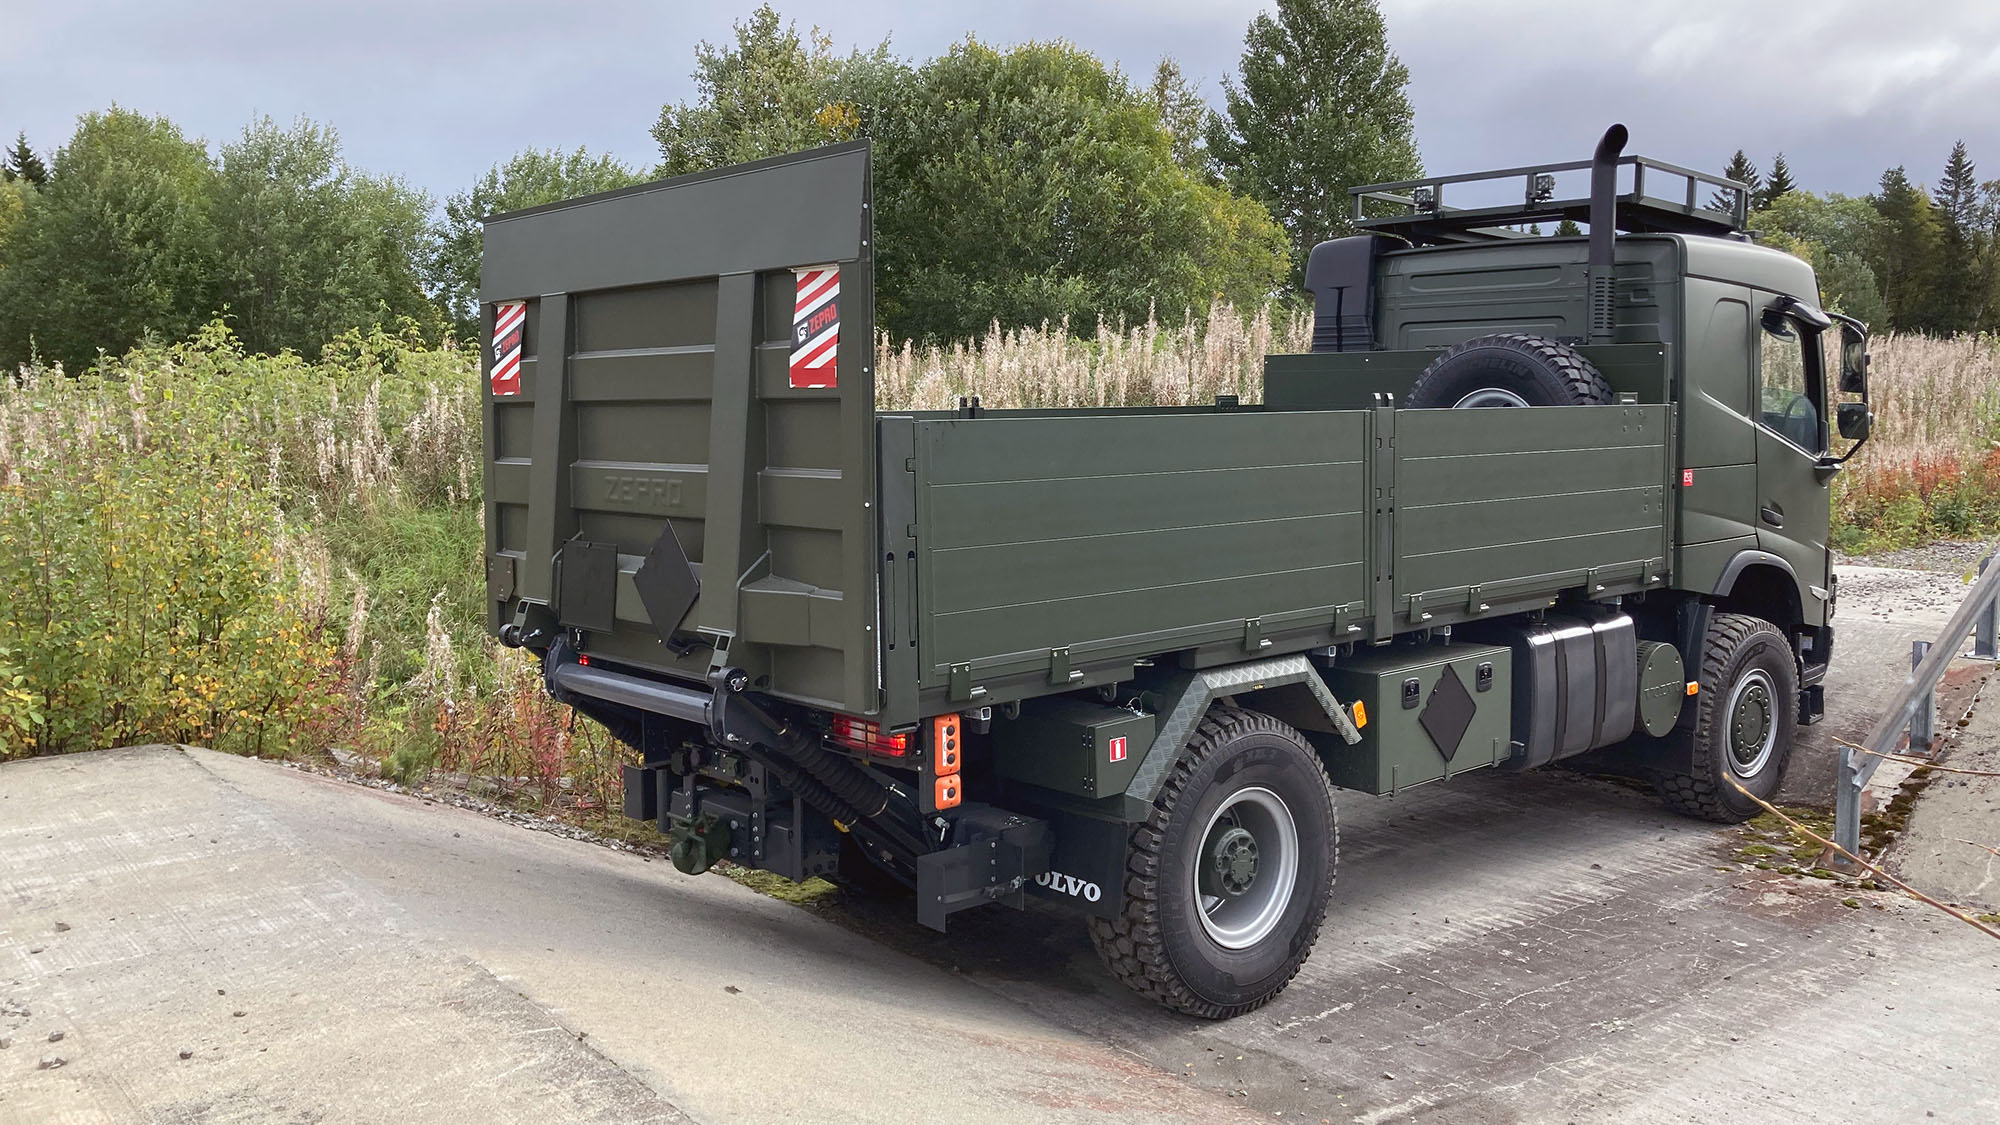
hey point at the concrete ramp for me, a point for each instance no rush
(324, 951)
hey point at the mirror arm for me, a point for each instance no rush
(1830, 462)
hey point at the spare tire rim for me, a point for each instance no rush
(1245, 869)
(1489, 396)
(1753, 723)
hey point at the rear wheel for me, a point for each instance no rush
(1509, 369)
(1227, 882)
(1742, 724)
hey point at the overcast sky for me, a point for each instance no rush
(438, 92)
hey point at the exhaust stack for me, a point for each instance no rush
(1604, 230)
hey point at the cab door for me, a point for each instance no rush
(1793, 492)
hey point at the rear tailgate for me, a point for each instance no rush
(655, 383)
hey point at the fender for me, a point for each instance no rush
(1183, 700)
(1741, 561)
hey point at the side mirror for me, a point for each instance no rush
(1853, 360)
(1854, 419)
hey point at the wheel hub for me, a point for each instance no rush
(1753, 723)
(1233, 857)
(1246, 868)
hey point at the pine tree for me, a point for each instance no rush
(1959, 268)
(1320, 105)
(1778, 183)
(1905, 252)
(1568, 229)
(22, 164)
(1743, 172)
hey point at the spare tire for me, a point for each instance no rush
(1510, 369)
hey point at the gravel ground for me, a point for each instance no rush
(1953, 556)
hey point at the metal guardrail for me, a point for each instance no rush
(1915, 707)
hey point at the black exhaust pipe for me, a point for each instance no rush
(1604, 230)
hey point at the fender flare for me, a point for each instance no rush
(1744, 560)
(1183, 701)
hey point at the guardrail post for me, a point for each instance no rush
(1923, 722)
(1986, 627)
(1847, 783)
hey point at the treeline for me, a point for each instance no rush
(1906, 257)
(1024, 185)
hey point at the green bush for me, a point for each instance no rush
(174, 527)
(152, 598)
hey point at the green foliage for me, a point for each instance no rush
(1319, 106)
(404, 555)
(1034, 185)
(774, 91)
(1021, 186)
(1960, 284)
(528, 179)
(1829, 231)
(307, 247)
(175, 527)
(1186, 118)
(119, 244)
(1743, 172)
(1775, 185)
(22, 164)
(146, 581)
(15, 198)
(1904, 252)
(140, 234)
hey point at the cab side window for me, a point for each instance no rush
(1784, 388)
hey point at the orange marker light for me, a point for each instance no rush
(948, 792)
(1693, 687)
(946, 749)
(1360, 715)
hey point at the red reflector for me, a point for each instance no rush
(583, 660)
(860, 734)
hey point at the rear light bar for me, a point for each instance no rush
(867, 737)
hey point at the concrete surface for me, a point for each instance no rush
(1881, 612)
(398, 961)
(1941, 849)
(1547, 947)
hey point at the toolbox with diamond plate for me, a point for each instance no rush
(1117, 658)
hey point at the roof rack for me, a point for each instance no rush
(1416, 209)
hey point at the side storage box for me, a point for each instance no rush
(1432, 711)
(1072, 746)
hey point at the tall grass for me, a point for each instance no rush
(1144, 364)
(1932, 467)
(278, 554)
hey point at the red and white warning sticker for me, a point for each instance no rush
(510, 323)
(1117, 748)
(816, 328)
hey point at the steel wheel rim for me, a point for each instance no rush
(1752, 715)
(1239, 919)
(1489, 396)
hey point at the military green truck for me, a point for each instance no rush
(1118, 659)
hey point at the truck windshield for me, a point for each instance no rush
(1789, 377)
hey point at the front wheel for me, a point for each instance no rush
(1227, 882)
(1741, 727)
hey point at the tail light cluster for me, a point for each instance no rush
(867, 737)
(947, 750)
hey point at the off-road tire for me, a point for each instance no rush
(1157, 945)
(1535, 370)
(1736, 647)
